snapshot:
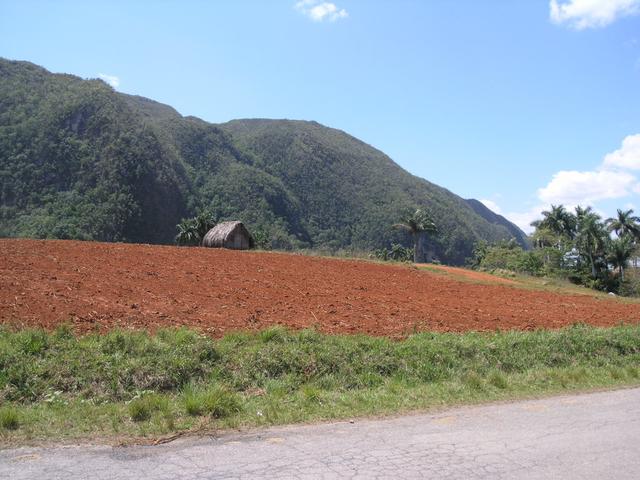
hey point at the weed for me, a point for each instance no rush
(34, 342)
(274, 334)
(311, 394)
(141, 409)
(215, 401)
(9, 418)
(498, 380)
(578, 374)
(473, 381)
(65, 385)
(616, 373)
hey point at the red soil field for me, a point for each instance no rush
(100, 286)
(468, 274)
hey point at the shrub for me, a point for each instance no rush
(498, 380)
(9, 418)
(115, 366)
(262, 239)
(473, 381)
(508, 256)
(141, 409)
(215, 401)
(34, 342)
(396, 253)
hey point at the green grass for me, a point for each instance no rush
(9, 418)
(529, 282)
(132, 384)
(141, 409)
(216, 401)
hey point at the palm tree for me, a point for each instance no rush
(559, 221)
(191, 231)
(620, 251)
(580, 214)
(542, 237)
(625, 223)
(591, 239)
(187, 232)
(204, 222)
(419, 223)
(557, 228)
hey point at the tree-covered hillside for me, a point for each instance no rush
(496, 219)
(79, 160)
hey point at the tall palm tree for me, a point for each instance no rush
(557, 228)
(619, 253)
(419, 224)
(580, 214)
(591, 239)
(624, 223)
(559, 221)
(542, 237)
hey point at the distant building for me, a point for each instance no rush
(232, 235)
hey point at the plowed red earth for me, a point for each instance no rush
(99, 286)
(467, 274)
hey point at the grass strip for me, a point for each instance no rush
(56, 385)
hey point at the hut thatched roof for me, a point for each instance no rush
(228, 235)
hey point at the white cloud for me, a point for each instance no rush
(110, 79)
(571, 187)
(523, 219)
(627, 156)
(319, 11)
(581, 14)
(491, 205)
(611, 180)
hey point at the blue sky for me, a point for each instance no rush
(519, 104)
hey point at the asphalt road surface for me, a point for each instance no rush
(584, 436)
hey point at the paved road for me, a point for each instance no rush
(585, 436)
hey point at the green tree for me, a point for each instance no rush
(204, 222)
(191, 231)
(619, 252)
(557, 229)
(581, 213)
(418, 224)
(559, 221)
(262, 238)
(480, 251)
(624, 224)
(591, 239)
(187, 233)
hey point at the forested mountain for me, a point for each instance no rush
(492, 217)
(79, 160)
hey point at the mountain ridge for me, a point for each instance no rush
(81, 160)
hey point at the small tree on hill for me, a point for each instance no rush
(419, 224)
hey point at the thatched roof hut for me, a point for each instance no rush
(228, 235)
